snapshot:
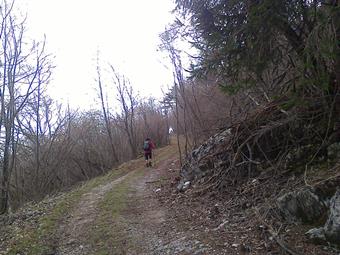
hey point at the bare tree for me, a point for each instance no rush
(22, 71)
(169, 38)
(104, 109)
(43, 125)
(128, 101)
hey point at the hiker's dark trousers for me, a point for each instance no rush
(148, 155)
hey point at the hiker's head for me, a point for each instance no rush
(147, 139)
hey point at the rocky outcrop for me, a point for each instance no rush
(330, 232)
(332, 226)
(314, 205)
(317, 235)
(203, 159)
(318, 204)
(303, 205)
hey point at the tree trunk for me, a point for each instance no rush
(5, 170)
(107, 125)
(337, 75)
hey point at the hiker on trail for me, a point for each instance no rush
(148, 147)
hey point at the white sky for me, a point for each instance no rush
(125, 33)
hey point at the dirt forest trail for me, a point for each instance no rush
(75, 228)
(133, 209)
(124, 216)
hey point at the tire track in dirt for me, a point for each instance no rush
(150, 227)
(74, 230)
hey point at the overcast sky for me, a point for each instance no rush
(125, 33)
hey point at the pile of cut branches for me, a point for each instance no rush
(273, 137)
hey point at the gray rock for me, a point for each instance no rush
(316, 235)
(332, 226)
(183, 186)
(198, 165)
(180, 185)
(303, 205)
(186, 186)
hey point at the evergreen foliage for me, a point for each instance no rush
(240, 40)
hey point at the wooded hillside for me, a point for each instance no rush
(278, 64)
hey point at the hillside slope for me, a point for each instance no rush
(137, 210)
(119, 213)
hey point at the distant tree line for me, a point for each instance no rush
(75, 146)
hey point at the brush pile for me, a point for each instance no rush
(271, 137)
